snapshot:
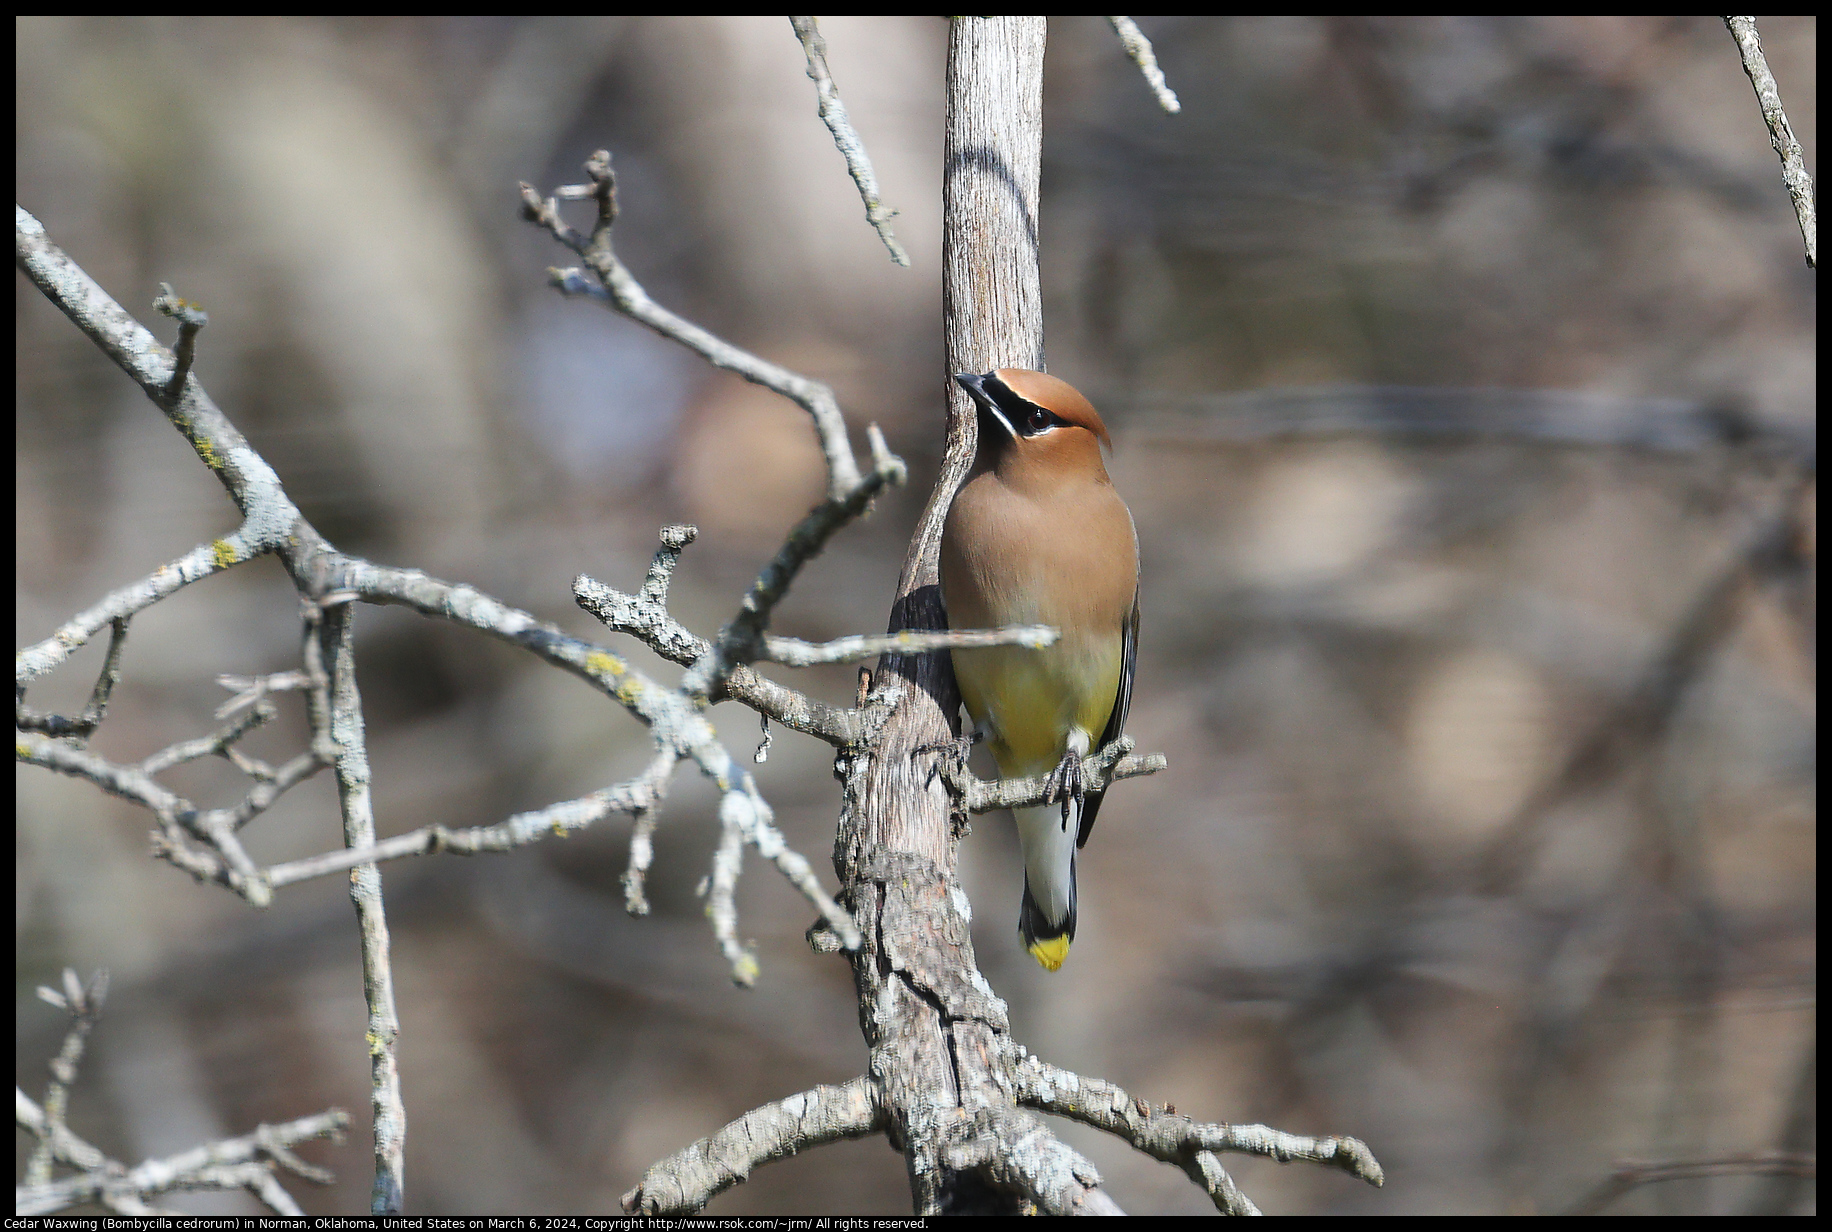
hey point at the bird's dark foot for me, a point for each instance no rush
(950, 756)
(1065, 784)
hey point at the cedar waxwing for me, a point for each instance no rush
(1037, 536)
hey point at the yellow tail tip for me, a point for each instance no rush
(1050, 954)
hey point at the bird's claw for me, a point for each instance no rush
(952, 754)
(1066, 784)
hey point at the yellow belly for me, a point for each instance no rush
(1031, 700)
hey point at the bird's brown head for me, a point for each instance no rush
(1036, 422)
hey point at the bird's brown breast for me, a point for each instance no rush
(1064, 557)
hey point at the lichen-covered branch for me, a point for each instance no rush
(271, 521)
(687, 1180)
(57, 1140)
(356, 804)
(644, 615)
(1100, 769)
(675, 719)
(1159, 1131)
(203, 842)
(116, 607)
(642, 794)
(642, 854)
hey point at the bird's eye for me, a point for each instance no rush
(1037, 421)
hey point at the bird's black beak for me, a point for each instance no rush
(980, 389)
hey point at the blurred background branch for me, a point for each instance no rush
(246, 1163)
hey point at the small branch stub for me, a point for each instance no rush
(191, 318)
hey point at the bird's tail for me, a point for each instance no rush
(1048, 942)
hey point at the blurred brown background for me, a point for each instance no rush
(1452, 363)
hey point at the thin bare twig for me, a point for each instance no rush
(246, 1162)
(95, 710)
(186, 751)
(84, 1005)
(1205, 1169)
(833, 114)
(200, 562)
(749, 813)
(793, 652)
(223, 861)
(1139, 48)
(628, 297)
(721, 887)
(1780, 132)
(642, 854)
(250, 689)
(661, 569)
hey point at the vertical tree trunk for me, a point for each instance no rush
(933, 1024)
(992, 302)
